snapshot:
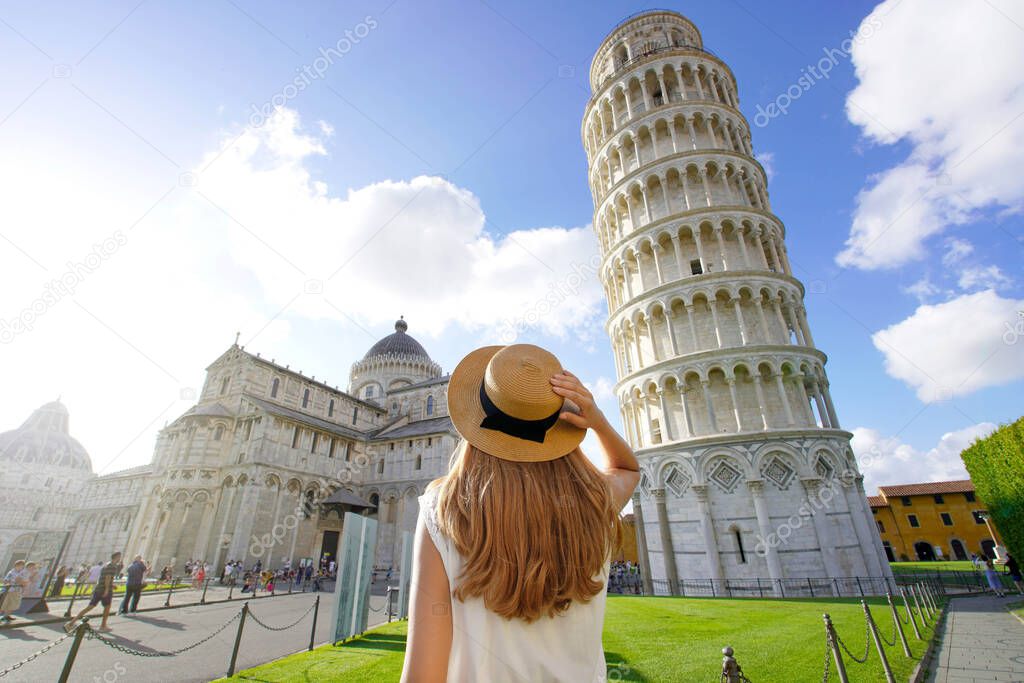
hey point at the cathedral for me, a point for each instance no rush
(262, 467)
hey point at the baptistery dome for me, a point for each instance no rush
(394, 362)
(397, 344)
(43, 441)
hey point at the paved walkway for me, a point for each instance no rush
(170, 629)
(981, 642)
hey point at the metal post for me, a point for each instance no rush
(732, 672)
(67, 612)
(712, 581)
(69, 661)
(231, 590)
(238, 640)
(910, 613)
(760, 592)
(860, 588)
(931, 598)
(878, 643)
(830, 638)
(206, 584)
(782, 591)
(899, 624)
(917, 604)
(167, 602)
(312, 632)
(835, 583)
(927, 600)
(810, 586)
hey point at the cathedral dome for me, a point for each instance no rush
(43, 440)
(397, 344)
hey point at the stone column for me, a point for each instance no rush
(666, 417)
(202, 547)
(700, 86)
(704, 182)
(784, 398)
(669, 317)
(700, 247)
(764, 526)
(829, 407)
(693, 135)
(822, 527)
(655, 248)
(765, 332)
(668, 552)
(177, 550)
(761, 407)
(687, 420)
(627, 280)
(713, 305)
(639, 273)
(862, 499)
(707, 527)
(680, 261)
(706, 385)
(731, 381)
(278, 497)
(822, 413)
(223, 527)
(721, 246)
(801, 316)
(647, 206)
(693, 326)
(744, 335)
(860, 527)
(641, 541)
(806, 400)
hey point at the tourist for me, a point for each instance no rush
(81, 578)
(132, 586)
(59, 579)
(512, 545)
(31, 580)
(992, 576)
(226, 578)
(10, 600)
(94, 574)
(102, 593)
(165, 574)
(1013, 569)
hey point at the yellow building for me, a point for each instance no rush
(627, 549)
(935, 521)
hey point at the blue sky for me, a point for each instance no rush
(138, 117)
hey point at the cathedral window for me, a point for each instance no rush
(369, 391)
(695, 267)
(330, 408)
(218, 432)
(430, 405)
(295, 437)
(380, 466)
(305, 398)
(419, 462)
(224, 385)
(315, 442)
(355, 414)
(429, 441)
(330, 448)
(274, 387)
(391, 446)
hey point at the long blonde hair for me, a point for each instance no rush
(534, 535)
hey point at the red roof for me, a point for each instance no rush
(927, 489)
(877, 502)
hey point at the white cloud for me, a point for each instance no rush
(887, 461)
(983, 277)
(957, 107)
(767, 161)
(249, 247)
(922, 290)
(418, 245)
(956, 250)
(957, 347)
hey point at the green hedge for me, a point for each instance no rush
(996, 466)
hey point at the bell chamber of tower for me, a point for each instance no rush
(723, 393)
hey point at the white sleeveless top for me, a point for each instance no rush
(486, 647)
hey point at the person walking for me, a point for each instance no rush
(59, 580)
(80, 579)
(512, 546)
(132, 586)
(10, 599)
(103, 594)
(992, 576)
(1013, 569)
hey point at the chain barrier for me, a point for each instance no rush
(32, 656)
(828, 658)
(93, 635)
(884, 639)
(867, 644)
(253, 616)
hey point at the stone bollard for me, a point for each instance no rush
(732, 672)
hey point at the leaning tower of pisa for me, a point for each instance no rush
(746, 471)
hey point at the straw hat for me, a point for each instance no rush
(501, 401)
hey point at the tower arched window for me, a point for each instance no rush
(218, 432)
(274, 387)
(305, 398)
(430, 406)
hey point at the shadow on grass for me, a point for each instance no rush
(620, 670)
(377, 641)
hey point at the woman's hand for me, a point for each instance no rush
(569, 386)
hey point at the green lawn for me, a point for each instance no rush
(941, 566)
(659, 639)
